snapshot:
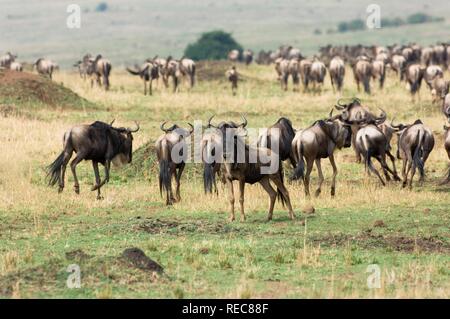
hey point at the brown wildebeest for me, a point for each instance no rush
(234, 55)
(431, 73)
(100, 143)
(293, 71)
(83, 65)
(99, 69)
(305, 73)
(318, 73)
(320, 141)
(398, 64)
(415, 144)
(414, 75)
(172, 70)
(16, 66)
(174, 138)
(362, 71)
(280, 134)
(233, 77)
(337, 73)
(379, 72)
(188, 68)
(356, 112)
(242, 162)
(247, 56)
(440, 88)
(282, 69)
(447, 148)
(427, 55)
(148, 72)
(371, 142)
(7, 59)
(45, 67)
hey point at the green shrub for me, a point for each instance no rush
(213, 45)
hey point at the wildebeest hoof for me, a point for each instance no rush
(100, 197)
(317, 193)
(60, 189)
(94, 188)
(77, 189)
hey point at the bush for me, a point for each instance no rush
(102, 7)
(213, 45)
(353, 25)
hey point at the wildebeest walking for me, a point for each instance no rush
(320, 141)
(83, 65)
(7, 59)
(379, 72)
(362, 71)
(100, 143)
(188, 69)
(100, 70)
(337, 73)
(233, 77)
(414, 75)
(170, 165)
(45, 67)
(242, 162)
(415, 143)
(148, 72)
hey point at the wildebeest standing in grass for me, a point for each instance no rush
(337, 73)
(317, 142)
(447, 148)
(83, 65)
(237, 166)
(45, 67)
(305, 73)
(379, 72)
(188, 69)
(7, 59)
(100, 143)
(362, 71)
(247, 56)
(431, 73)
(173, 138)
(282, 134)
(414, 75)
(100, 69)
(440, 88)
(16, 66)
(233, 77)
(415, 143)
(371, 142)
(282, 69)
(148, 72)
(398, 64)
(318, 73)
(172, 70)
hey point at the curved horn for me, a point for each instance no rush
(162, 127)
(244, 124)
(192, 128)
(209, 121)
(395, 126)
(134, 130)
(339, 106)
(382, 117)
(112, 122)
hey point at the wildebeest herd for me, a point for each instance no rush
(227, 155)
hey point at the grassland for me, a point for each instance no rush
(325, 254)
(131, 31)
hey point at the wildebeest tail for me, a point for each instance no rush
(133, 71)
(106, 72)
(54, 170)
(418, 153)
(193, 76)
(164, 169)
(209, 177)
(281, 197)
(299, 170)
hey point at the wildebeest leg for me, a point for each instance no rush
(106, 180)
(73, 166)
(407, 167)
(413, 172)
(150, 87)
(242, 198)
(335, 172)
(319, 169)
(332, 84)
(231, 199)
(145, 87)
(309, 167)
(284, 192)
(357, 84)
(357, 152)
(67, 156)
(394, 171)
(272, 195)
(178, 180)
(373, 169)
(97, 178)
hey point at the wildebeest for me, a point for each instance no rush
(99, 69)
(83, 65)
(446, 106)
(318, 73)
(16, 66)
(174, 138)
(188, 69)
(45, 67)
(379, 72)
(355, 112)
(305, 72)
(447, 148)
(431, 73)
(371, 142)
(439, 89)
(247, 56)
(172, 70)
(148, 72)
(398, 64)
(414, 76)
(362, 71)
(427, 56)
(320, 141)
(100, 143)
(7, 59)
(233, 77)
(234, 55)
(238, 165)
(415, 143)
(279, 135)
(337, 73)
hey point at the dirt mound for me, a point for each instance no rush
(22, 88)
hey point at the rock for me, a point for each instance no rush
(138, 259)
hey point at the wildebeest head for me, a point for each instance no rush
(177, 129)
(338, 128)
(125, 148)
